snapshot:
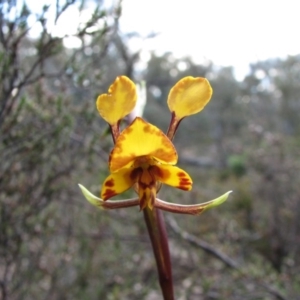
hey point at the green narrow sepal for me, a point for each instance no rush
(113, 204)
(215, 202)
(90, 197)
(194, 209)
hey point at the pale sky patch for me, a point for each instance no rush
(229, 33)
(232, 32)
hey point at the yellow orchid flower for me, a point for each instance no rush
(143, 155)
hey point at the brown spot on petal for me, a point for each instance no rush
(110, 183)
(121, 138)
(184, 182)
(184, 188)
(166, 142)
(118, 149)
(181, 174)
(108, 194)
(128, 130)
(147, 128)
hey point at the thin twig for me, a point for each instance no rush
(202, 244)
(218, 254)
(274, 292)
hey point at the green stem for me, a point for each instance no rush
(159, 240)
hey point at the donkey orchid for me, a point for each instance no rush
(144, 157)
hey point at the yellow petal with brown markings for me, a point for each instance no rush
(118, 182)
(172, 176)
(141, 139)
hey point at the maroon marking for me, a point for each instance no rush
(109, 193)
(184, 181)
(183, 188)
(147, 128)
(181, 174)
(110, 183)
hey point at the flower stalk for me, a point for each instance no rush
(158, 235)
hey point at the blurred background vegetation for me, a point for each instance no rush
(54, 245)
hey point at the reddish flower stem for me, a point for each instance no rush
(159, 240)
(174, 123)
(115, 131)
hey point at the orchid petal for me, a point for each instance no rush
(119, 101)
(172, 176)
(189, 96)
(118, 182)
